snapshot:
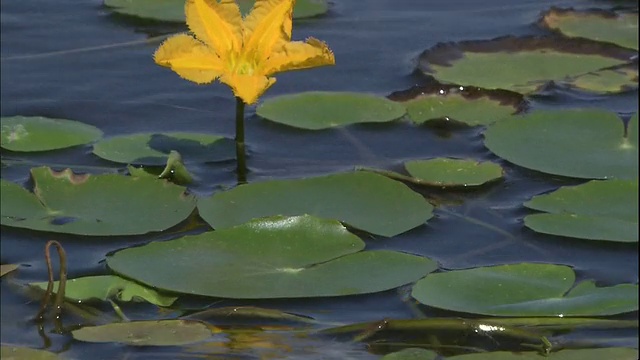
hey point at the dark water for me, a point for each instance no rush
(119, 89)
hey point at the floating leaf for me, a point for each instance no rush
(366, 201)
(277, 257)
(411, 354)
(146, 333)
(106, 287)
(581, 143)
(37, 133)
(469, 105)
(154, 148)
(578, 354)
(453, 172)
(235, 313)
(173, 10)
(8, 352)
(597, 210)
(64, 202)
(525, 289)
(596, 24)
(7, 268)
(320, 110)
(611, 80)
(524, 65)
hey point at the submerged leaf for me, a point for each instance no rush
(146, 333)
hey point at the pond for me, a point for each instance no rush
(461, 261)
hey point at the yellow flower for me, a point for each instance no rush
(242, 53)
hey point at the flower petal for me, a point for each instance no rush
(217, 24)
(190, 58)
(268, 23)
(247, 87)
(299, 55)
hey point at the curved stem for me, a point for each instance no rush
(240, 150)
(61, 284)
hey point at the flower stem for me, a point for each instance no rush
(240, 151)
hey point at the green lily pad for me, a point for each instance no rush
(146, 333)
(453, 172)
(316, 110)
(37, 133)
(363, 200)
(525, 289)
(106, 287)
(8, 352)
(64, 202)
(597, 210)
(525, 65)
(7, 268)
(173, 10)
(570, 354)
(596, 24)
(469, 105)
(610, 80)
(277, 257)
(153, 149)
(411, 354)
(580, 143)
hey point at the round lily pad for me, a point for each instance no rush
(596, 24)
(597, 210)
(366, 201)
(525, 289)
(469, 105)
(617, 353)
(526, 64)
(64, 202)
(276, 257)
(146, 333)
(37, 133)
(173, 10)
(154, 149)
(580, 143)
(105, 287)
(453, 172)
(322, 109)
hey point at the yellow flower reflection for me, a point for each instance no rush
(242, 53)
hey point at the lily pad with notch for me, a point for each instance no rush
(147, 332)
(317, 110)
(37, 133)
(580, 143)
(524, 64)
(469, 105)
(105, 287)
(453, 172)
(363, 200)
(173, 10)
(104, 205)
(154, 149)
(525, 289)
(596, 24)
(275, 257)
(598, 210)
